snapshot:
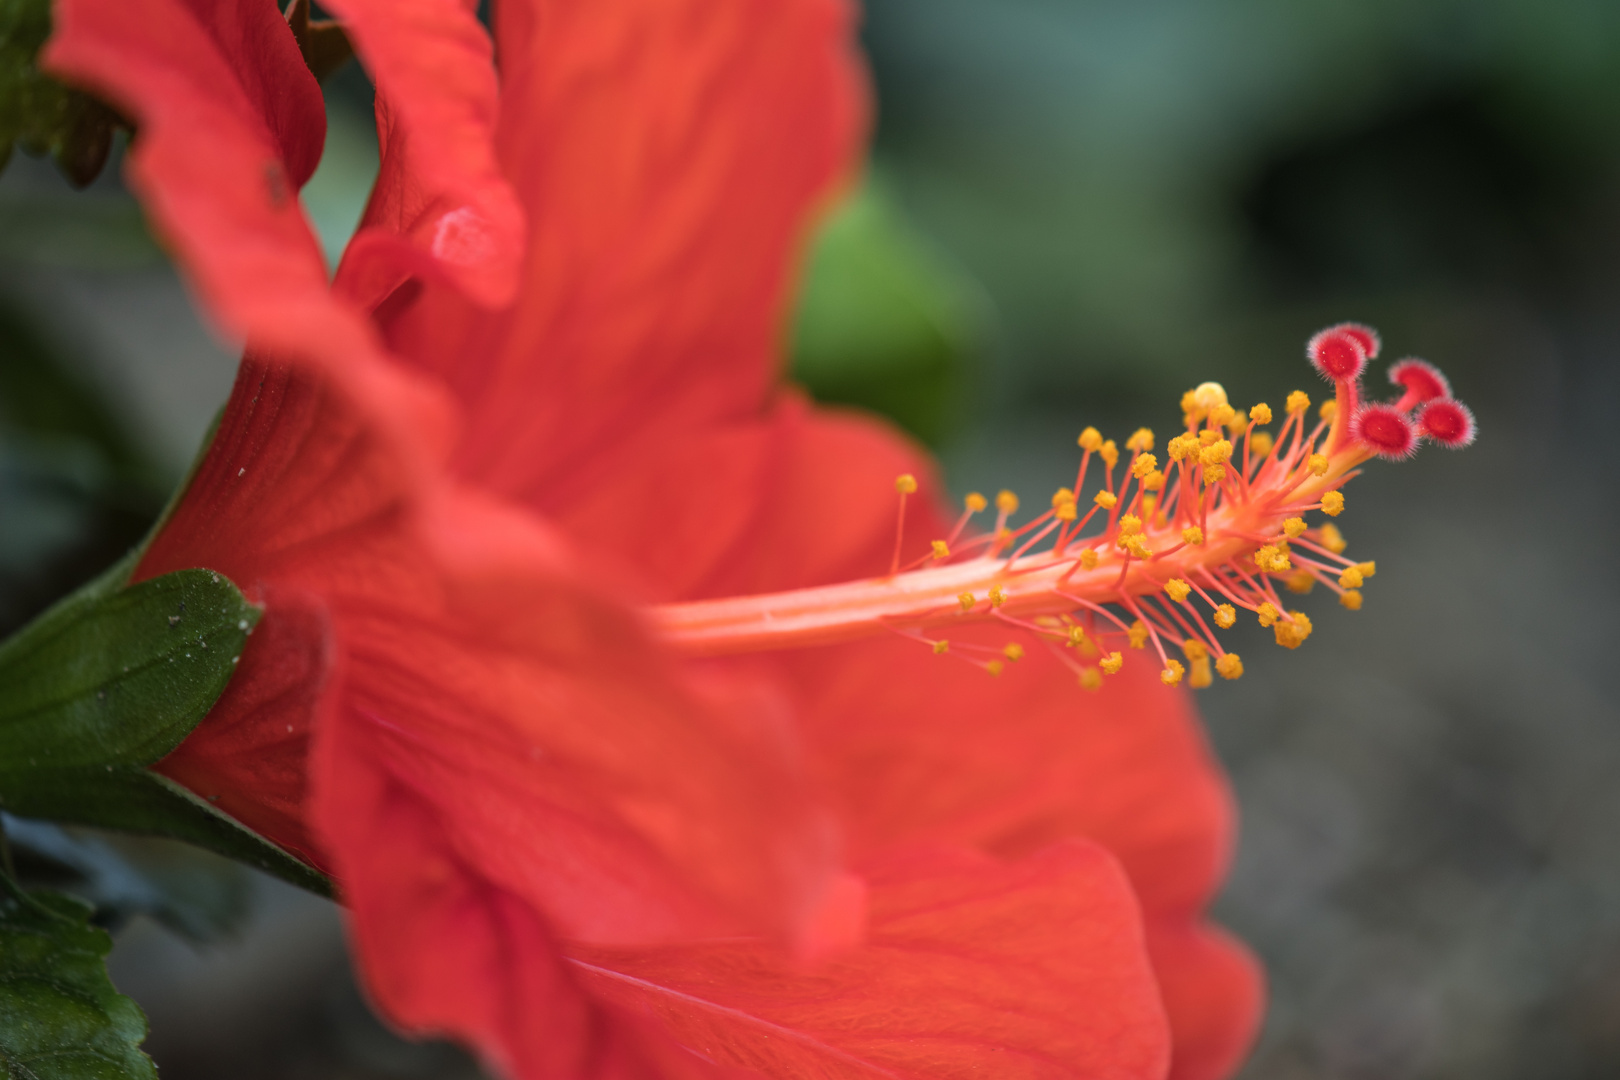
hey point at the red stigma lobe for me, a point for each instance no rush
(1449, 423)
(1420, 379)
(1385, 431)
(1341, 352)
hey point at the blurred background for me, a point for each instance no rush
(1075, 211)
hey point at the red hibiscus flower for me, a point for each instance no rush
(486, 480)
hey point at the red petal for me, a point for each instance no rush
(570, 760)
(441, 193)
(1215, 995)
(972, 967)
(669, 153)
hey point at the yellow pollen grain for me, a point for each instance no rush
(1318, 464)
(1229, 666)
(1298, 401)
(1198, 675)
(1091, 679)
(1291, 635)
(1368, 568)
(967, 601)
(1181, 446)
(1177, 590)
(1260, 443)
(1333, 539)
(1138, 634)
(1214, 474)
(995, 667)
(1208, 438)
(941, 646)
(1294, 528)
(1351, 578)
(1333, 503)
(1091, 439)
(942, 550)
(905, 484)
(1129, 524)
(1225, 616)
(1110, 453)
(1300, 581)
(1171, 675)
(1350, 599)
(1136, 544)
(1194, 649)
(1141, 440)
(1216, 453)
(1111, 663)
(1193, 535)
(1268, 613)
(1106, 499)
(1153, 481)
(1013, 651)
(997, 597)
(1261, 413)
(1088, 559)
(1221, 415)
(1144, 466)
(1006, 502)
(974, 502)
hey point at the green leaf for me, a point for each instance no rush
(883, 322)
(60, 1016)
(42, 114)
(109, 681)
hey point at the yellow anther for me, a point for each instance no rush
(1077, 637)
(967, 601)
(1141, 440)
(905, 484)
(1229, 666)
(1272, 558)
(1138, 634)
(1329, 410)
(1261, 413)
(1210, 396)
(1268, 613)
(1221, 415)
(1153, 481)
(1129, 524)
(1065, 511)
(1177, 590)
(997, 597)
(1260, 443)
(1294, 528)
(1003, 537)
(1334, 540)
(1062, 495)
(1189, 406)
(1110, 453)
(1298, 401)
(1225, 616)
(1088, 559)
(1198, 675)
(1318, 464)
(1194, 649)
(1136, 544)
(1106, 499)
(1111, 663)
(1214, 474)
(1091, 439)
(1171, 675)
(1180, 446)
(941, 646)
(1090, 678)
(1208, 437)
(1351, 599)
(995, 667)
(1193, 535)
(1013, 651)
(974, 502)
(1300, 581)
(1333, 503)
(1088, 648)
(1144, 466)
(1291, 635)
(1006, 502)
(1368, 568)
(1216, 453)
(942, 550)
(1351, 578)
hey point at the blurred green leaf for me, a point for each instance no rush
(60, 1016)
(38, 112)
(883, 322)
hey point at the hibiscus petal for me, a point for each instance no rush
(669, 154)
(441, 194)
(573, 762)
(972, 967)
(1214, 993)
